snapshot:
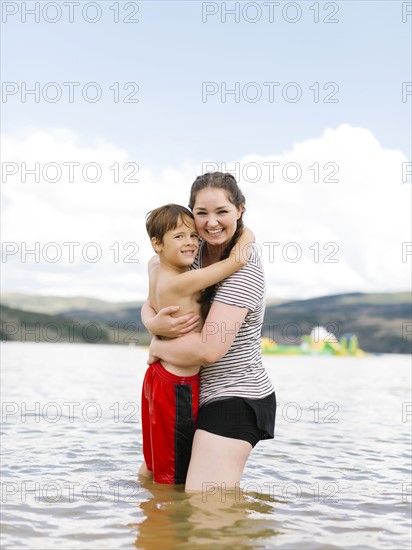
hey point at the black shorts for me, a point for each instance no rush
(239, 418)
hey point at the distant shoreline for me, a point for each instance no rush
(382, 322)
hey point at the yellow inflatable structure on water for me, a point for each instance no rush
(319, 342)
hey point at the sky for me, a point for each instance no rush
(110, 109)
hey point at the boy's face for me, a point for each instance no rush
(180, 245)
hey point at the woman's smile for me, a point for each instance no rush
(214, 231)
(215, 216)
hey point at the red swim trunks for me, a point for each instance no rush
(169, 412)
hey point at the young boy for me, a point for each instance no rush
(170, 393)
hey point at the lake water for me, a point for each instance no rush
(337, 474)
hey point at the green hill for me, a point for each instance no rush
(86, 327)
(57, 304)
(382, 322)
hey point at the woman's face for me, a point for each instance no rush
(215, 216)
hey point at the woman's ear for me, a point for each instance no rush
(240, 211)
(157, 247)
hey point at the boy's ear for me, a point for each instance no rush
(157, 247)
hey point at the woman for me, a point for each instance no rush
(237, 401)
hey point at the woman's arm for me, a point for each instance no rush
(163, 324)
(208, 346)
(147, 313)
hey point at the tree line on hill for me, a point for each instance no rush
(382, 322)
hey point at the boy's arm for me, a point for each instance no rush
(190, 282)
(147, 313)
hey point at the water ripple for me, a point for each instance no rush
(336, 476)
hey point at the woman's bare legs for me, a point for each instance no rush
(216, 460)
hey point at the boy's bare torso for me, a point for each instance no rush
(162, 296)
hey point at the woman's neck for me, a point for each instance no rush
(211, 254)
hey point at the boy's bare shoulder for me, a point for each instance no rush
(153, 263)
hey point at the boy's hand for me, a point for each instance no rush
(163, 324)
(249, 235)
(242, 250)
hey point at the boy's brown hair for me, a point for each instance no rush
(164, 219)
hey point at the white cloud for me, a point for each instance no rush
(365, 215)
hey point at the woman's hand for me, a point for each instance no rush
(152, 358)
(219, 332)
(164, 324)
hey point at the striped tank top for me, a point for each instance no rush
(240, 373)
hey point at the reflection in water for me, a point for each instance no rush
(214, 518)
(166, 512)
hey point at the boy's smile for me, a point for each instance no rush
(180, 245)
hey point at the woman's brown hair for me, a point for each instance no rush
(226, 182)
